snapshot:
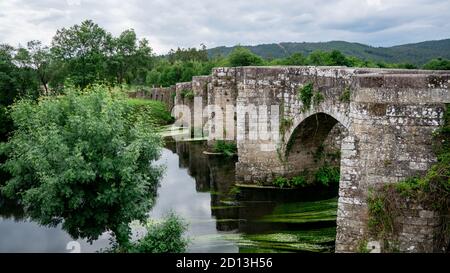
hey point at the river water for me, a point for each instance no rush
(221, 217)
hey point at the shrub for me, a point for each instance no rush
(155, 112)
(318, 98)
(164, 237)
(345, 96)
(326, 175)
(188, 94)
(281, 182)
(241, 56)
(226, 148)
(299, 181)
(305, 95)
(83, 160)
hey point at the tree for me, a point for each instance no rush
(15, 82)
(37, 58)
(295, 59)
(83, 160)
(317, 58)
(128, 56)
(188, 55)
(153, 78)
(438, 64)
(164, 237)
(241, 56)
(337, 58)
(84, 49)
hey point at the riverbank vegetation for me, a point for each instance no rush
(228, 149)
(156, 112)
(166, 236)
(324, 176)
(85, 159)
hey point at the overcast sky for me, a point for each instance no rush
(175, 23)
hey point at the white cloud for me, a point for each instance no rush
(174, 23)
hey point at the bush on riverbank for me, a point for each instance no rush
(155, 111)
(324, 176)
(83, 159)
(163, 237)
(226, 148)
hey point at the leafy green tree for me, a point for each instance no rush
(295, 59)
(83, 160)
(35, 62)
(15, 81)
(84, 49)
(153, 78)
(241, 56)
(438, 64)
(128, 55)
(337, 58)
(317, 58)
(188, 55)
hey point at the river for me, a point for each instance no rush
(221, 217)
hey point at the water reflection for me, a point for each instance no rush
(221, 218)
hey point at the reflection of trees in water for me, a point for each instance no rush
(192, 158)
(10, 209)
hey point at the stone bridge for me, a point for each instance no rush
(385, 117)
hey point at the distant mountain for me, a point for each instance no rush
(418, 53)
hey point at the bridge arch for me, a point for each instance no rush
(314, 141)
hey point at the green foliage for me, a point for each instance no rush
(294, 59)
(187, 94)
(299, 181)
(188, 55)
(381, 214)
(285, 124)
(83, 160)
(327, 175)
(241, 56)
(166, 73)
(305, 95)
(15, 82)
(438, 64)
(362, 246)
(318, 98)
(234, 190)
(90, 54)
(228, 149)
(155, 112)
(345, 97)
(164, 237)
(281, 182)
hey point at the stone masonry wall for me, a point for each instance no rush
(388, 121)
(390, 118)
(221, 97)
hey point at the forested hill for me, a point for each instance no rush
(417, 54)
